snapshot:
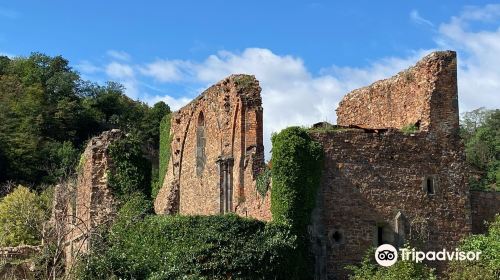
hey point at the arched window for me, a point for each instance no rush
(200, 145)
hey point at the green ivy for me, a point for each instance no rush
(264, 181)
(131, 171)
(409, 129)
(165, 146)
(296, 172)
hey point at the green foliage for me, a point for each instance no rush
(370, 270)
(47, 113)
(131, 171)
(195, 247)
(22, 214)
(296, 173)
(326, 127)
(165, 146)
(264, 181)
(480, 130)
(409, 129)
(488, 265)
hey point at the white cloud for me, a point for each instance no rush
(7, 54)
(88, 67)
(478, 72)
(415, 17)
(119, 55)
(291, 94)
(167, 70)
(119, 70)
(174, 103)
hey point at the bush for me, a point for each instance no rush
(194, 247)
(22, 214)
(488, 265)
(370, 270)
(296, 173)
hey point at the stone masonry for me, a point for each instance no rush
(484, 207)
(93, 204)
(424, 95)
(381, 185)
(216, 153)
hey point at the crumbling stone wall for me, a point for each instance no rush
(484, 207)
(93, 204)
(381, 185)
(423, 95)
(216, 153)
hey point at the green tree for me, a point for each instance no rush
(22, 214)
(481, 134)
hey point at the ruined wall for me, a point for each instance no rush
(425, 94)
(216, 153)
(93, 204)
(373, 180)
(381, 185)
(484, 207)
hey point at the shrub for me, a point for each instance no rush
(192, 247)
(22, 214)
(488, 265)
(370, 270)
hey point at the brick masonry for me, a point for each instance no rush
(484, 207)
(216, 153)
(373, 180)
(381, 185)
(425, 94)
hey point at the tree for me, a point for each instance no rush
(22, 214)
(481, 134)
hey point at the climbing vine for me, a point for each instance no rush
(297, 164)
(165, 143)
(264, 181)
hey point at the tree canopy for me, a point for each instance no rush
(47, 112)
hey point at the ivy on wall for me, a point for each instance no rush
(165, 147)
(131, 171)
(297, 164)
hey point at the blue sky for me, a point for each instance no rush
(307, 54)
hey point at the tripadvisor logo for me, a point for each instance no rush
(387, 255)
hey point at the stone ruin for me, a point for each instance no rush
(81, 210)
(379, 184)
(216, 153)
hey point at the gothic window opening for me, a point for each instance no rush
(200, 145)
